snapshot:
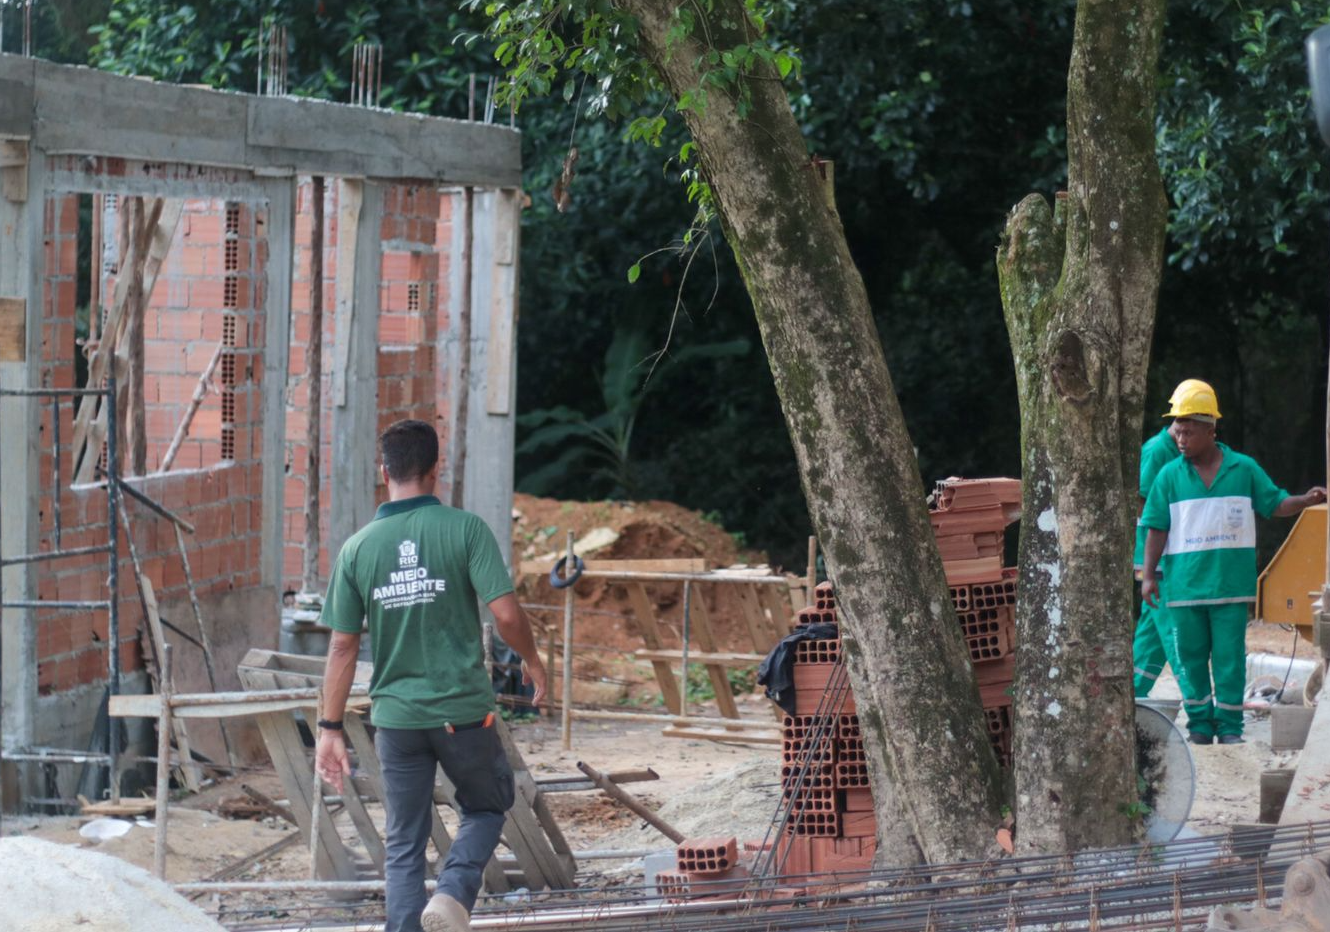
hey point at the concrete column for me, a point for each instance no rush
(22, 267)
(276, 362)
(489, 421)
(355, 363)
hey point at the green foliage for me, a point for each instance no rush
(742, 680)
(595, 450)
(939, 114)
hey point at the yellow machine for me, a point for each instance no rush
(1293, 580)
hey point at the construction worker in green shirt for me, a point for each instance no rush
(1201, 521)
(1152, 645)
(413, 577)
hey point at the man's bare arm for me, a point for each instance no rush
(1155, 542)
(330, 757)
(1295, 503)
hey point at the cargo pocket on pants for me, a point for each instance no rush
(478, 767)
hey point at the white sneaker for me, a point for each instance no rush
(445, 914)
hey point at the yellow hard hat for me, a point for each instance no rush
(1185, 386)
(1194, 398)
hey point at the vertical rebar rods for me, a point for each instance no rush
(366, 74)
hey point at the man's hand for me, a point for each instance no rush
(1315, 495)
(330, 758)
(534, 674)
(1150, 591)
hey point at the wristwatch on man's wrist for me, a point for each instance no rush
(326, 725)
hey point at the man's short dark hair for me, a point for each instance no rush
(409, 449)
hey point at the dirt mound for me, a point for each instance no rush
(605, 626)
(45, 887)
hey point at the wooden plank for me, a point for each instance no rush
(14, 170)
(720, 734)
(1289, 725)
(148, 705)
(530, 789)
(13, 330)
(776, 604)
(717, 659)
(1307, 799)
(159, 245)
(761, 630)
(706, 639)
(355, 806)
(282, 737)
(296, 671)
(664, 565)
(644, 610)
(126, 807)
(350, 199)
(189, 770)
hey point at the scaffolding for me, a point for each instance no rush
(110, 470)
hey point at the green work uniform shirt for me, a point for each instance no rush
(1210, 558)
(1157, 452)
(413, 575)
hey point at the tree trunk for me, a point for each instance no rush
(935, 779)
(1079, 286)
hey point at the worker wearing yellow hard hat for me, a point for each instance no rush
(1152, 644)
(1200, 518)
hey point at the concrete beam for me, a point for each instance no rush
(72, 110)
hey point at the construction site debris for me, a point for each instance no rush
(46, 887)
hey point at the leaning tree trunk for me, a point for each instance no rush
(935, 779)
(1078, 288)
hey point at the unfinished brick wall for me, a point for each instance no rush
(206, 302)
(416, 237)
(223, 501)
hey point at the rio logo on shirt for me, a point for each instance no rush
(410, 584)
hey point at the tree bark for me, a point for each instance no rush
(1079, 286)
(935, 780)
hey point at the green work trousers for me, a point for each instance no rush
(1211, 639)
(1152, 646)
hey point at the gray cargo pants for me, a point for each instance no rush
(474, 760)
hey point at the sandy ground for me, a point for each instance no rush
(704, 788)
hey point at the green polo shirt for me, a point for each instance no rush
(413, 575)
(1210, 558)
(1158, 452)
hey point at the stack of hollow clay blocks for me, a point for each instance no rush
(969, 518)
(705, 867)
(824, 771)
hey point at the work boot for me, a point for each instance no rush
(445, 914)
(1231, 739)
(1195, 737)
